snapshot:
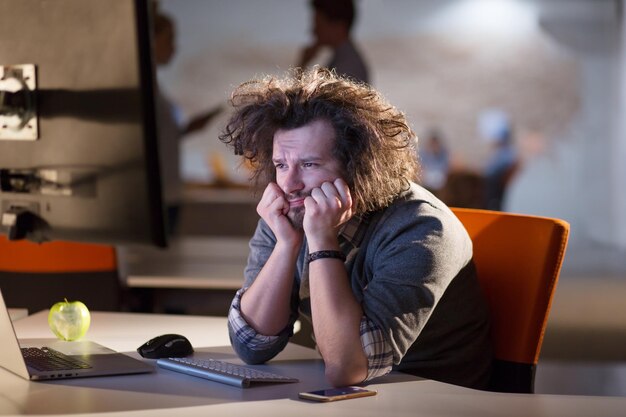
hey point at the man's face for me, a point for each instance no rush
(303, 160)
(323, 28)
(164, 45)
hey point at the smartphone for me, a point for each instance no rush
(336, 394)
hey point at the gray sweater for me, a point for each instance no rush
(410, 268)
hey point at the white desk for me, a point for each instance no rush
(17, 313)
(166, 393)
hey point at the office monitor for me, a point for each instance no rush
(78, 148)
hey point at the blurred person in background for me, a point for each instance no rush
(172, 128)
(434, 160)
(495, 127)
(332, 24)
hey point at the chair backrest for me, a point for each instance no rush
(518, 259)
(35, 275)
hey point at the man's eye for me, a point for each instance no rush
(279, 166)
(309, 164)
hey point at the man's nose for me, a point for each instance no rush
(293, 180)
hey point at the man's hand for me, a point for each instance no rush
(326, 209)
(199, 122)
(308, 53)
(273, 208)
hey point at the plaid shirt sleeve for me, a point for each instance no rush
(378, 352)
(243, 331)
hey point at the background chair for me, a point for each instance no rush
(35, 276)
(518, 258)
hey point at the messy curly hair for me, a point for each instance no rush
(373, 141)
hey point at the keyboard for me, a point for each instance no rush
(48, 359)
(227, 373)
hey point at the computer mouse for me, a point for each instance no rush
(166, 346)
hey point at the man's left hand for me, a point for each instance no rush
(326, 209)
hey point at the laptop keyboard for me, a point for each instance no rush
(224, 372)
(48, 359)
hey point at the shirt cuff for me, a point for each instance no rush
(243, 331)
(379, 354)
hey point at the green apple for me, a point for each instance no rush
(69, 320)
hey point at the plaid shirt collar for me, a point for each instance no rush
(354, 229)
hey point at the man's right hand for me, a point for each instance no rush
(273, 209)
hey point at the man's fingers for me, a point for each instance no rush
(344, 192)
(318, 195)
(332, 195)
(273, 201)
(272, 192)
(330, 190)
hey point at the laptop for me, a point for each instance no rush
(88, 358)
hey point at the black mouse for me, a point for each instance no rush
(166, 346)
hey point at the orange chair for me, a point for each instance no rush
(518, 259)
(34, 276)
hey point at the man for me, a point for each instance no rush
(332, 23)
(171, 128)
(380, 266)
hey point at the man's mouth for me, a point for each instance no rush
(298, 202)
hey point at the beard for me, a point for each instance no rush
(296, 217)
(296, 214)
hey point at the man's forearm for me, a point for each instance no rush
(266, 305)
(336, 321)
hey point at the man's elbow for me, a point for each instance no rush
(341, 376)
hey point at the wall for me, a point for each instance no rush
(552, 65)
(575, 179)
(619, 139)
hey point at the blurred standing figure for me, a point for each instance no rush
(171, 127)
(435, 162)
(499, 171)
(170, 132)
(332, 23)
(496, 128)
